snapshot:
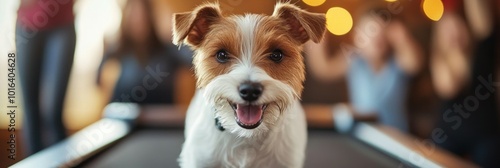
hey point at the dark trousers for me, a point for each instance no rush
(44, 62)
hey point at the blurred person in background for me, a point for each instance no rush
(378, 67)
(463, 65)
(45, 44)
(148, 67)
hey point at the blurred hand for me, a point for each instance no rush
(396, 32)
(451, 33)
(323, 65)
(408, 53)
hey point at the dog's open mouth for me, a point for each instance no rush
(248, 116)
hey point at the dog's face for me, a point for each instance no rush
(250, 67)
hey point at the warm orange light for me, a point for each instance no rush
(314, 2)
(338, 21)
(433, 9)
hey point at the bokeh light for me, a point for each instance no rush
(314, 2)
(433, 9)
(338, 21)
(391, 0)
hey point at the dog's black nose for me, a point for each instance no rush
(250, 91)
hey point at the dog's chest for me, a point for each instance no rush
(247, 154)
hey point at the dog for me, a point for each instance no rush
(250, 72)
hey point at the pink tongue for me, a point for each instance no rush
(249, 114)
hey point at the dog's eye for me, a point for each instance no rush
(276, 56)
(222, 56)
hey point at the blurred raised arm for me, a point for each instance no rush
(479, 15)
(450, 52)
(408, 52)
(321, 64)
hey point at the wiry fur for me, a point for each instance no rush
(280, 140)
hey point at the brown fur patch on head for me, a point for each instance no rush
(208, 32)
(273, 34)
(223, 35)
(270, 34)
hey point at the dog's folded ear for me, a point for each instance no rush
(303, 25)
(191, 27)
